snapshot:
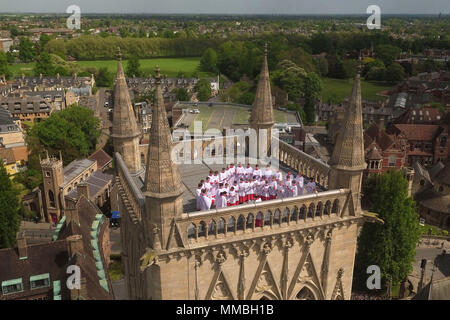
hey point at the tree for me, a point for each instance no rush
(392, 245)
(9, 204)
(312, 89)
(203, 89)
(74, 131)
(289, 77)
(181, 94)
(208, 62)
(133, 67)
(387, 53)
(394, 73)
(4, 70)
(104, 78)
(27, 52)
(44, 65)
(43, 40)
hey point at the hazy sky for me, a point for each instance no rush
(229, 6)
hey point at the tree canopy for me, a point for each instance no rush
(203, 89)
(74, 131)
(133, 67)
(9, 204)
(392, 245)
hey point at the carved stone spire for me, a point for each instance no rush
(125, 131)
(348, 153)
(262, 110)
(162, 178)
(163, 186)
(347, 161)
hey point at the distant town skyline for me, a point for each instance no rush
(292, 7)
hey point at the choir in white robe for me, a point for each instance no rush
(205, 202)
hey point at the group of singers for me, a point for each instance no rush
(236, 185)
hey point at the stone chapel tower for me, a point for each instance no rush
(347, 161)
(52, 178)
(262, 111)
(125, 131)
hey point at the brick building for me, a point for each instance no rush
(39, 272)
(383, 151)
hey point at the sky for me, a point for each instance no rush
(229, 6)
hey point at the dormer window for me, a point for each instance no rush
(40, 281)
(12, 286)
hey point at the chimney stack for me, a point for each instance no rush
(22, 245)
(83, 190)
(75, 244)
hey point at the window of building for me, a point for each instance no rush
(12, 286)
(40, 281)
(441, 188)
(391, 161)
(47, 173)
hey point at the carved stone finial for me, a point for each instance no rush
(267, 248)
(221, 258)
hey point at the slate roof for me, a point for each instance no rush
(41, 258)
(418, 132)
(74, 168)
(96, 181)
(102, 158)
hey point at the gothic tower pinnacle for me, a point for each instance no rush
(163, 186)
(125, 131)
(262, 109)
(347, 161)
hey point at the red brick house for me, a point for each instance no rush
(427, 144)
(383, 151)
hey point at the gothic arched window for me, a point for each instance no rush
(51, 198)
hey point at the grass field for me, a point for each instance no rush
(336, 90)
(168, 66)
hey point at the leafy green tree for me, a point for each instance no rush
(349, 68)
(133, 67)
(44, 65)
(208, 62)
(30, 178)
(4, 70)
(312, 89)
(181, 94)
(74, 131)
(203, 89)
(10, 57)
(43, 40)
(289, 77)
(387, 53)
(392, 245)
(9, 204)
(27, 53)
(104, 78)
(394, 73)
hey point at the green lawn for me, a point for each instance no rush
(435, 231)
(336, 90)
(168, 66)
